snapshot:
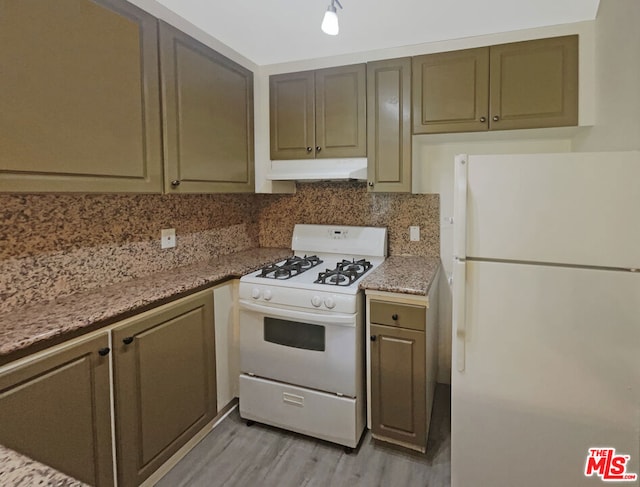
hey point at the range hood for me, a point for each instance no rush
(318, 169)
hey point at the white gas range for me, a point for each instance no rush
(302, 334)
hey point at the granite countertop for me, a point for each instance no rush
(41, 324)
(18, 470)
(403, 274)
(32, 328)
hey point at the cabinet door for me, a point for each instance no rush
(164, 368)
(534, 84)
(79, 97)
(398, 395)
(341, 113)
(208, 117)
(292, 115)
(450, 91)
(389, 125)
(56, 409)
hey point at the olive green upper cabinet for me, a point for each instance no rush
(208, 118)
(451, 91)
(292, 115)
(534, 84)
(389, 125)
(530, 84)
(79, 96)
(319, 114)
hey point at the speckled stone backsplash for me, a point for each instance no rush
(349, 203)
(53, 245)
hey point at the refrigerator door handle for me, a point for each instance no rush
(459, 312)
(460, 207)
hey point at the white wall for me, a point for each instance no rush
(617, 35)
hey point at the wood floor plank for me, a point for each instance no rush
(235, 455)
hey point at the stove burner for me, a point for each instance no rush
(345, 273)
(291, 267)
(359, 266)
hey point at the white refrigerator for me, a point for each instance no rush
(546, 320)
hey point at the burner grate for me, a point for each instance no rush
(345, 273)
(289, 268)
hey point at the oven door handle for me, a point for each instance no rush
(303, 316)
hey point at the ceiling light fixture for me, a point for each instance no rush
(330, 20)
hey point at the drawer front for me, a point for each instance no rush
(400, 315)
(313, 413)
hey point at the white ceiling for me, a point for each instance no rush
(277, 31)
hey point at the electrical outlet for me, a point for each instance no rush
(414, 233)
(167, 238)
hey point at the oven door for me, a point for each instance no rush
(318, 350)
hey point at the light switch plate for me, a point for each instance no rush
(167, 238)
(414, 233)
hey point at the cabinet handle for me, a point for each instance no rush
(127, 340)
(104, 351)
(175, 183)
(483, 119)
(318, 148)
(371, 184)
(496, 118)
(373, 338)
(394, 317)
(309, 149)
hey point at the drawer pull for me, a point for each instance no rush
(394, 317)
(293, 399)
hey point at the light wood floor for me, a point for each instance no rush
(240, 456)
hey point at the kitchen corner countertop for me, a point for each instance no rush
(26, 328)
(403, 274)
(19, 470)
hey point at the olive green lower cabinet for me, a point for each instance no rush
(164, 383)
(55, 405)
(402, 363)
(55, 408)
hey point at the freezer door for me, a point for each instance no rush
(572, 208)
(552, 368)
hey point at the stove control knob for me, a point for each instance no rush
(316, 301)
(267, 294)
(329, 302)
(255, 293)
